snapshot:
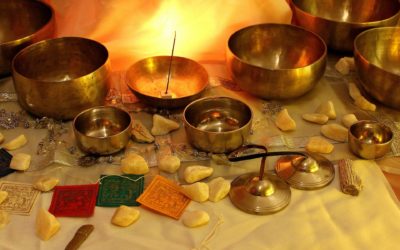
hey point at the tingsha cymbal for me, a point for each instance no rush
(308, 172)
(255, 196)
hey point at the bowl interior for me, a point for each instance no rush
(276, 46)
(102, 122)
(217, 114)
(350, 11)
(150, 75)
(60, 59)
(22, 18)
(380, 47)
(371, 132)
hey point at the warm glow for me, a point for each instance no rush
(135, 29)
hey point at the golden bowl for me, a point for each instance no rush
(102, 130)
(60, 77)
(217, 124)
(148, 79)
(338, 22)
(377, 59)
(370, 139)
(276, 61)
(22, 22)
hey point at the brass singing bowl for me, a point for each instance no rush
(338, 22)
(22, 22)
(148, 78)
(276, 61)
(377, 60)
(370, 139)
(217, 124)
(60, 77)
(102, 130)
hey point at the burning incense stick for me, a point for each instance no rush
(170, 66)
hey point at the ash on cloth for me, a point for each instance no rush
(164, 196)
(116, 190)
(21, 197)
(74, 201)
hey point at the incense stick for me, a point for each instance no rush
(170, 63)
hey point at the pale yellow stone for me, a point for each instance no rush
(16, 143)
(219, 189)
(46, 224)
(348, 120)
(169, 163)
(335, 132)
(20, 161)
(125, 216)
(284, 122)
(364, 104)
(46, 183)
(354, 91)
(316, 118)
(345, 65)
(3, 196)
(327, 108)
(133, 163)
(196, 172)
(140, 133)
(317, 144)
(198, 191)
(162, 125)
(195, 218)
(4, 219)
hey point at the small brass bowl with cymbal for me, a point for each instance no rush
(102, 130)
(148, 79)
(217, 124)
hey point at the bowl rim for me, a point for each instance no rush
(128, 127)
(357, 53)
(134, 89)
(54, 40)
(20, 40)
(187, 123)
(372, 23)
(318, 37)
(383, 126)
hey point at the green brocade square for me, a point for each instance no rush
(116, 190)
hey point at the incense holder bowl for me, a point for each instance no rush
(148, 79)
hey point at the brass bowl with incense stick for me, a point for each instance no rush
(148, 77)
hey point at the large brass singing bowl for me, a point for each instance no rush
(338, 22)
(148, 78)
(217, 124)
(377, 59)
(22, 22)
(60, 77)
(276, 61)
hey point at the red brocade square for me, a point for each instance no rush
(74, 201)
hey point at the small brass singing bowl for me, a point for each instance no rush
(276, 61)
(370, 139)
(217, 124)
(60, 77)
(148, 79)
(377, 60)
(102, 130)
(22, 22)
(338, 22)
